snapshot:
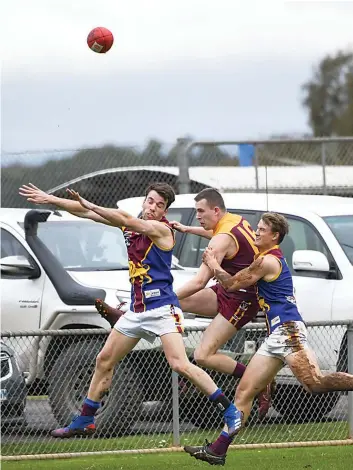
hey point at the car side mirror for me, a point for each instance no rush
(18, 266)
(310, 260)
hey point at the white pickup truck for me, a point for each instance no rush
(54, 265)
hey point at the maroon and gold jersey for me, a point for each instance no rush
(244, 237)
(149, 271)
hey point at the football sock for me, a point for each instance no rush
(220, 400)
(221, 444)
(239, 370)
(89, 407)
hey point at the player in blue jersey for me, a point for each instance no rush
(286, 343)
(154, 309)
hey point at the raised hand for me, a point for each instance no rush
(76, 196)
(178, 226)
(34, 194)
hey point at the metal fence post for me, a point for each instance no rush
(323, 163)
(176, 420)
(183, 164)
(350, 370)
(256, 160)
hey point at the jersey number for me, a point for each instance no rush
(248, 233)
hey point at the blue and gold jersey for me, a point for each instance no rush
(150, 272)
(276, 296)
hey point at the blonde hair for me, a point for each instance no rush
(278, 224)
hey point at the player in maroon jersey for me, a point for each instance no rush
(233, 242)
(154, 309)
(232, 239)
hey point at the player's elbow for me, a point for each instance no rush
(201, 283)
(232, 287)
(85, 214)
(130, 224)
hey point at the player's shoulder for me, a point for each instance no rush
(275, 252)
(232, 219)
(165, 225)
(227, 223)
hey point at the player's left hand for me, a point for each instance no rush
(84, 203)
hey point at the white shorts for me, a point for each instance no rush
(151, 323)
(288, 338)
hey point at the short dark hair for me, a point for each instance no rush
(278, 224)
(164, 190)
(212, 196)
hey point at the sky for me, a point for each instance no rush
(210, 69)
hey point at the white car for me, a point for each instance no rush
(54, 265)
(319, 252)
(320, 233)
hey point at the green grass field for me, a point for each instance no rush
(313, 458)
(262, 433)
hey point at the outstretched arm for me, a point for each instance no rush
(191, 229)
(37, 196)
(120, 218)
(263, 266)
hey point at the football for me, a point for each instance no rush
(100, 40)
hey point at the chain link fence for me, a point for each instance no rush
(148, 406)
(105, 175)
(309, 166)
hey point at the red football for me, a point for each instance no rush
(100, 40)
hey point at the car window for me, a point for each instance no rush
(175, 214)
(85, 246)
(342, 228)
(193, 246)
(182, 215)
(10, 246)
(301, 236)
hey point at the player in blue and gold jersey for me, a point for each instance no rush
(286, 343)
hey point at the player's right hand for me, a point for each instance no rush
(178, 226)
(76, 196)
(34, 194)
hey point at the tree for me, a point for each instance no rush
(152, 153)
(328, 96)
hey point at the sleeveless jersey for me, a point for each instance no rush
(276, 297)
(244, 236)
(149, 272)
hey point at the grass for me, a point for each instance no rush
(313, 458)
(265, 433)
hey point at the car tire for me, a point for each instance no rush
(69, 381)
(295, 404)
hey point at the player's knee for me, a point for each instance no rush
(312, 384)
(180, 366)
(201, 357)
(244, 393)
(103, 361)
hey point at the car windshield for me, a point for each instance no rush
(342, 228)
(85, 246)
